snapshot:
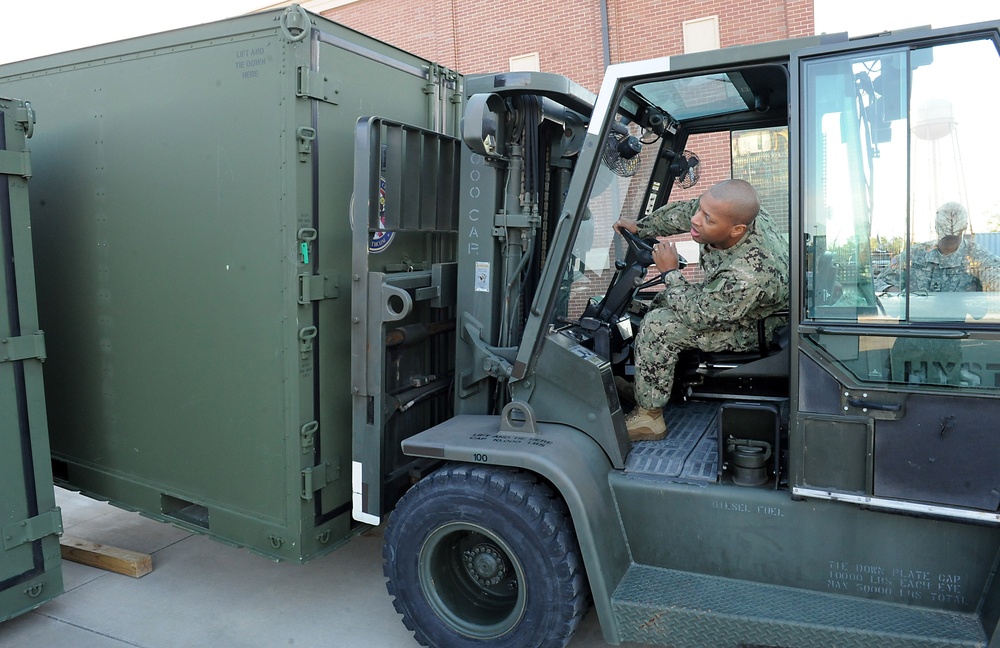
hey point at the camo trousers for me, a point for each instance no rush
(662, 336)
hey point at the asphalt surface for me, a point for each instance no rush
(202, 592)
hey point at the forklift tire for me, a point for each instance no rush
(484, 556)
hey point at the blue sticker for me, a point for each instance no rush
(382, 237)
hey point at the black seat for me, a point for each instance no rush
(739, 373)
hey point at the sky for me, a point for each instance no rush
(70, 24)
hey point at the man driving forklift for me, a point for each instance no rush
(745, 261)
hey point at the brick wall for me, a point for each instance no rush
(477, 36)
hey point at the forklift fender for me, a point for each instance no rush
(572, 462)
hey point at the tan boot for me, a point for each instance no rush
(646, 424)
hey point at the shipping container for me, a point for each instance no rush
(194, 241)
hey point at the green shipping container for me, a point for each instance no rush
(29, 519)
(192, 225)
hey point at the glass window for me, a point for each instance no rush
(899, 204)
(898, 185)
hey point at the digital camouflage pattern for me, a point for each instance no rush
(742, 285)
(969, 268)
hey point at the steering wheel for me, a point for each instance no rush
(643, 250)
(640, 247)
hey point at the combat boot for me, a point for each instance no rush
(646, 424)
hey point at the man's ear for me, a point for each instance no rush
(737, 231)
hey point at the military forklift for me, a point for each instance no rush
(837, 486)
(245, 339)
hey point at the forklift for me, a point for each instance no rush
(836, 486)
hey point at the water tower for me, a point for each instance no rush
(936, 165)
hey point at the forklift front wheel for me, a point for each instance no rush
(484, 556)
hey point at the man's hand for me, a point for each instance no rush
(626, 223)
(665, 256)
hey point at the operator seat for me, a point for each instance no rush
(740, 373)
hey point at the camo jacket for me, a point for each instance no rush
(969, 268)
(742, 284)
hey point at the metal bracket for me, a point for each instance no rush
(485, 361)
(317, 478)
(313, 85)
(25, 347)
(306, 337)
(308, 435)
(26, 117)
(316, 287)
(15, 163)
(305, 135)
(36, 528)
(517, 416)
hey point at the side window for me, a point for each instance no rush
(899, 204)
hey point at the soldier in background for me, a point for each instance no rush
(745, 260)
(950, 264)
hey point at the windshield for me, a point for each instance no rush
(650, 135)
(597, 246)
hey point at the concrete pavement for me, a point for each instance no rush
(202, 593)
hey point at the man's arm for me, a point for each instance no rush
(985, 266)
(672, 218)
(889, 277)
(731, 296)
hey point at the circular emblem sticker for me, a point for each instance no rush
(382, 237)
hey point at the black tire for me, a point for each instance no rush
(484, 556)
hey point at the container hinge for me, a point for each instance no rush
(317, 478)
(15, 163)
(316, 287)
(25, 347)
(36, 528)
(314, 85)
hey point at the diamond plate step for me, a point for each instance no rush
(683, 610)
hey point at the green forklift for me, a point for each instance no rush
(836, 486)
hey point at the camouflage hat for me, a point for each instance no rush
(951, 219)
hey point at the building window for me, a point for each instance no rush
(701, 34)
(525, 63)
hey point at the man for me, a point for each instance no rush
(745, 260)
(950, 264)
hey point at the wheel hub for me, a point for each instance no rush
(485, 564)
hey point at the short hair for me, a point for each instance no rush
(741, 197)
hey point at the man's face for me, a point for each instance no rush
(712, 224)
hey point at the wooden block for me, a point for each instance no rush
(120, 561)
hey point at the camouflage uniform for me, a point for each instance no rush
(969, 268)
(742, 285)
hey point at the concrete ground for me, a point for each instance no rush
(202, 593)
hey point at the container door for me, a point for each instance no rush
(405, 223)
(899, 371)
(29, 520)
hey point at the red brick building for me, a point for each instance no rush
(575, 38)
